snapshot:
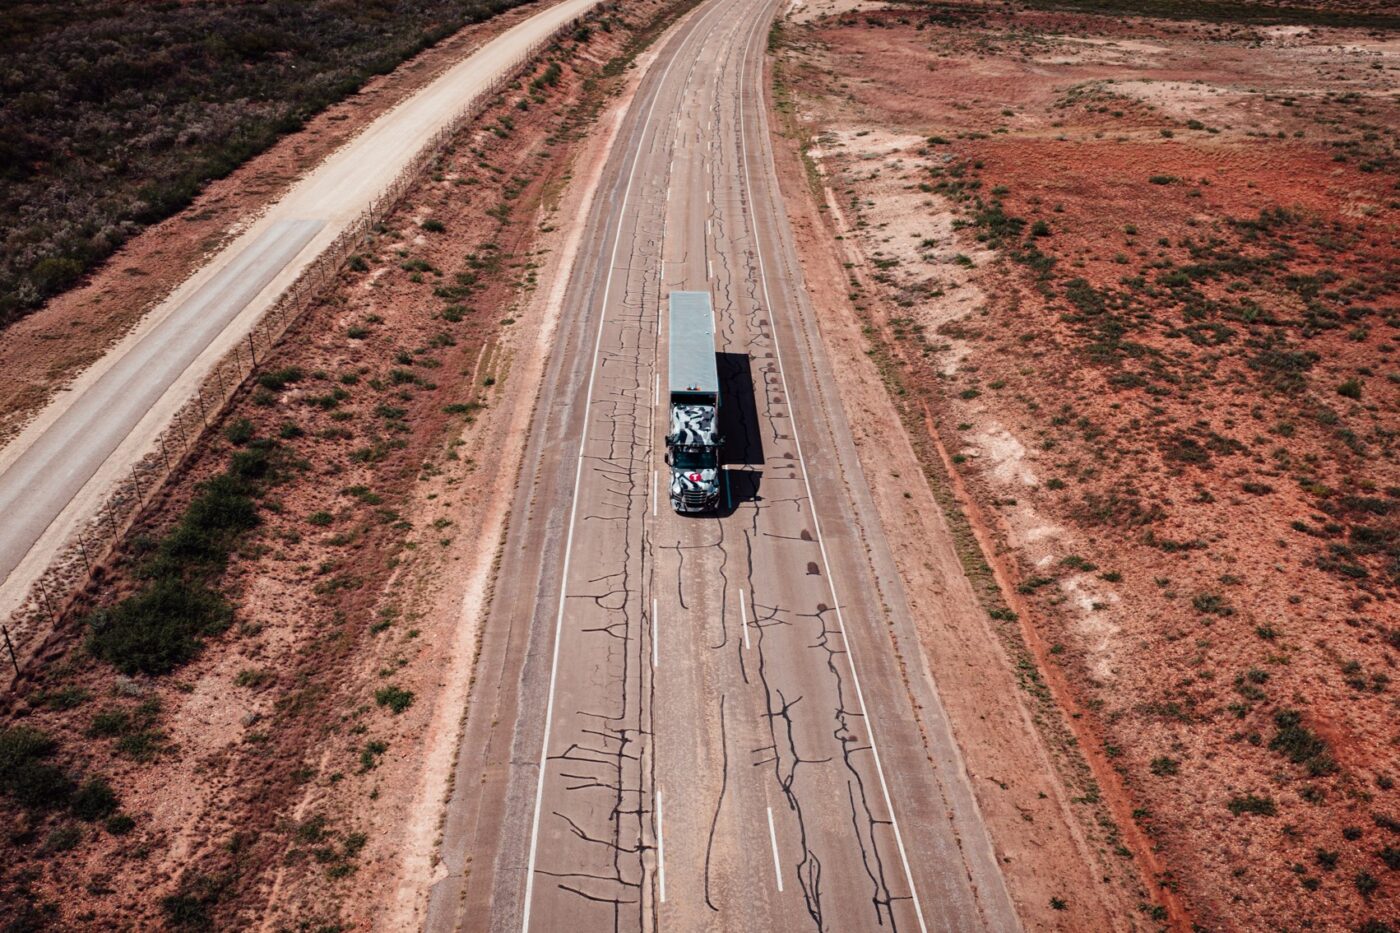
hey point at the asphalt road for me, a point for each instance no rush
(56, 474)
(724, 722)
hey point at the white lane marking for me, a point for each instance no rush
(573, 508)
(653, 492)
(660, 849)
(656, 391)
(744, 617)
(655, 636)
(710, 265)
(707, 228)
(773, 838)
(812, 504)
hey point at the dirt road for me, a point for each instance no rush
(57, 472)
(703, 723)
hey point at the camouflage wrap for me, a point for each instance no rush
(693, 425)
(693, 490)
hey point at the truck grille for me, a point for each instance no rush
(693, 499)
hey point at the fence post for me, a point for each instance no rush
(11, 648)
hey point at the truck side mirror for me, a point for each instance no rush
(667, 458)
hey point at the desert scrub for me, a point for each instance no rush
(394, 697)
(205, 87)
(32, 780)
(162, 625)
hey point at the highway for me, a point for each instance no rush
(58, 471)
(720, 722)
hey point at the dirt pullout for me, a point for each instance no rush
(292, 773)
(1133, 284)
(43, 351)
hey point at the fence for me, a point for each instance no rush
(71, 569)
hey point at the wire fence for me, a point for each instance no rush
(31, 625)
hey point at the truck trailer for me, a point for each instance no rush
(693, 441)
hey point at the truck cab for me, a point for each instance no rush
(692, 438)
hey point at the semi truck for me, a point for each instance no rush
(692, 438)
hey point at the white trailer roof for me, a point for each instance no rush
(692, 336)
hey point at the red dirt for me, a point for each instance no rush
(1203, 527)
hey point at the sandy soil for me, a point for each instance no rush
(42, 352)
(1175, 442)
(283, 787)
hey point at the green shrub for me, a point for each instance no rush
(109, 723)
(433, 225)
(26, 775)
(143, 745)
(1300, 745)
(206, 532)
(161, 625)
(159, 628)
(63, 837)
(1250, 803)
(1212, 604)
(191, 907)
(278, 379)
(394, 697)
(94, 800)
(119, 824)
(63, 698)
(239, 432)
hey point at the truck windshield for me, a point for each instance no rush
(694, 458)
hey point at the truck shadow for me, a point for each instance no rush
(739, 426)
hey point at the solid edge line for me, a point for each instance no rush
(744, 618)
(816, 524)
(660, 850)
(777, 864)
(573, 508)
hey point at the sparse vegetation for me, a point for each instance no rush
(1198, 388)
(163, 624)
(394, 697)
(1253, 804)
(113, 117)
